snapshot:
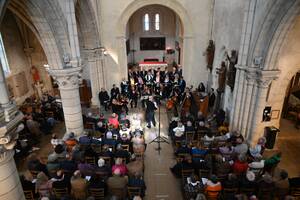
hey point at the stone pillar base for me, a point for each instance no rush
(11, 188)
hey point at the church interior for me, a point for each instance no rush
(149, 99)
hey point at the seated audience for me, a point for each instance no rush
(78, 186)
(117, 184)
(137, 181)
(113, 120)
(213, 187)
(179, 131)
(43, 185)
(120, 166)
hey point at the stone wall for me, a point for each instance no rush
(17, 59)
(167, 30)
(195, 16)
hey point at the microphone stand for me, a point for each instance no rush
(159, 139)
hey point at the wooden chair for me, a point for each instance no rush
(60, 192)
(185, 173)
(28, 195)
(247, 191)
(107, 160)
(204, 173)
(229, 193)
(266, 193)
(89, 125)
(134, 191)
(97, 148)
(213, 195)
(189, 135)
(119, 193)
(295, 192)
(125, 147)
(97, 134)
(34, 173)
(139, 156)
(97, 193)
(112, 147)
(180, 157)
(49, 114)
(90, 160)
(198, 156)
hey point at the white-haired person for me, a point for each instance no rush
(135, 123)
(138, 143)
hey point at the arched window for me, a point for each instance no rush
(157, 22)
(3, 58)
(146, 22)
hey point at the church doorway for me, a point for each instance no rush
(291, 106)
(154, 39)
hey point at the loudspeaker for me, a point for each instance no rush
(270, 134)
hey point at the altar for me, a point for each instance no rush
(146, 65)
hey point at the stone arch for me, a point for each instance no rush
(188, 33)
(87, 25)
(278, 45)
(45, 19)
(171, 4)
(272, 27)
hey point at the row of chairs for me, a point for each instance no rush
(262, 193)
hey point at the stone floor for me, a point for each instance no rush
(162, 185)
(288, 142)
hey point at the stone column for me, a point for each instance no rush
(96, 61)
(256, 127)
(122, 59)
(68, 80)
(95, 85)
(4, 96)
(10, 184)
(249, 102)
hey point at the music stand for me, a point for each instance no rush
(159, 139)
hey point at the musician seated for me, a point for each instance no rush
(179, 131)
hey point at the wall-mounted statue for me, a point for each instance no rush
(210, 54)
(35, 74)
(222, 77)
(233, 59)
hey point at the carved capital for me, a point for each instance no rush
(68, 78)
(5, 156)
(263, 78)
(8, 133)
(266, 77)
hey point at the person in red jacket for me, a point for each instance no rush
(240, 166)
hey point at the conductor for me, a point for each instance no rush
(151, 106)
